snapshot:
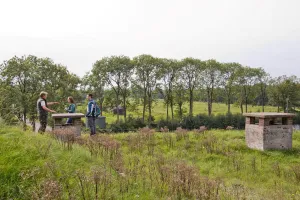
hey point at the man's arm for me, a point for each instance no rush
(48, 110)
(89, 109)
(52, 103)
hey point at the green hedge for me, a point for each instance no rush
(211, 122)
(296, 119)
(214, 122)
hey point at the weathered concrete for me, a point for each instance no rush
(76, 124)
(269, 130)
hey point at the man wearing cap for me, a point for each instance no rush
(42, 107)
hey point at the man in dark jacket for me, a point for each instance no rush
(42, 107)
(91, 115)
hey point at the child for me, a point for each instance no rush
(70, 109)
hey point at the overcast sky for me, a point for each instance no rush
(76, 33)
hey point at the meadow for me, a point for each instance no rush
(214, 164)
(159, 110)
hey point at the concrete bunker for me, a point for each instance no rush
(266, 131)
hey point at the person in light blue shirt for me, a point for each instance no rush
(71, 109)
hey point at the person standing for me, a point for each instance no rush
(71, 109)
(42, 107)
(90, 115)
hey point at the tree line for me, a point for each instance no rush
(143, 79)
(140, 81)
(23, 78)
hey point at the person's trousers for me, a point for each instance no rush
(43, 124)
(91, 124)
(69, 121)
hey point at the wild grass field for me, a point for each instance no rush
(215, 164)
(159, 110)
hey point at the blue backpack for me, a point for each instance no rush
(96, 110)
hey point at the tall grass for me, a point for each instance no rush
(146, 165)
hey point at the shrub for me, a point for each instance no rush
(296, 171)
(296, 119)
(119, 128)
(66, 136)
(181, 134)
(216, 122)
(190, 123)
(135, 123)
(171, 125)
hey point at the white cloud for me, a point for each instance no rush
(77, 33)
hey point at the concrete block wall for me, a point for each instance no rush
(268, 135)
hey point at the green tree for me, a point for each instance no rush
(169, 75)
(147, 75)
(94, 83)
(247, 77)
(180, 95)
(263, 81)
(23, 78)
(229, 76)
(190, 73)
(116, 71)
(211, 78)
(284, 92)
(20, 79)
(57, 81)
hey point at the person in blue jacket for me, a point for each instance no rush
(71, 109)
(90, 115)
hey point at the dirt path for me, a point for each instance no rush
(37, 126)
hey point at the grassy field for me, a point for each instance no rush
(159, 110)
(145, 165)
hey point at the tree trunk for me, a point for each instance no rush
(246, 97)
(144, 106)
(246, 104)
(117, 106)
(241, 106)
(101, 108)
(25, 120)
(209, 101)
(180, 110)
(210, 107)
(263, 104)
(228, 100)
(149, 110)
(33, 123)
(207, 92)
(167, 112)
(172, 109)
(191, 102)
(263, 98)
(228, 104)
(124, 106)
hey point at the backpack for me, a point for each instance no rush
(96, 110)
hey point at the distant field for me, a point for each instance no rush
(159, 110)
(145, 165)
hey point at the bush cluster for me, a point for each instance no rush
(131, 124)
(212, 122)
(296, 119)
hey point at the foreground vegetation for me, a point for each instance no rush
(146, 165)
